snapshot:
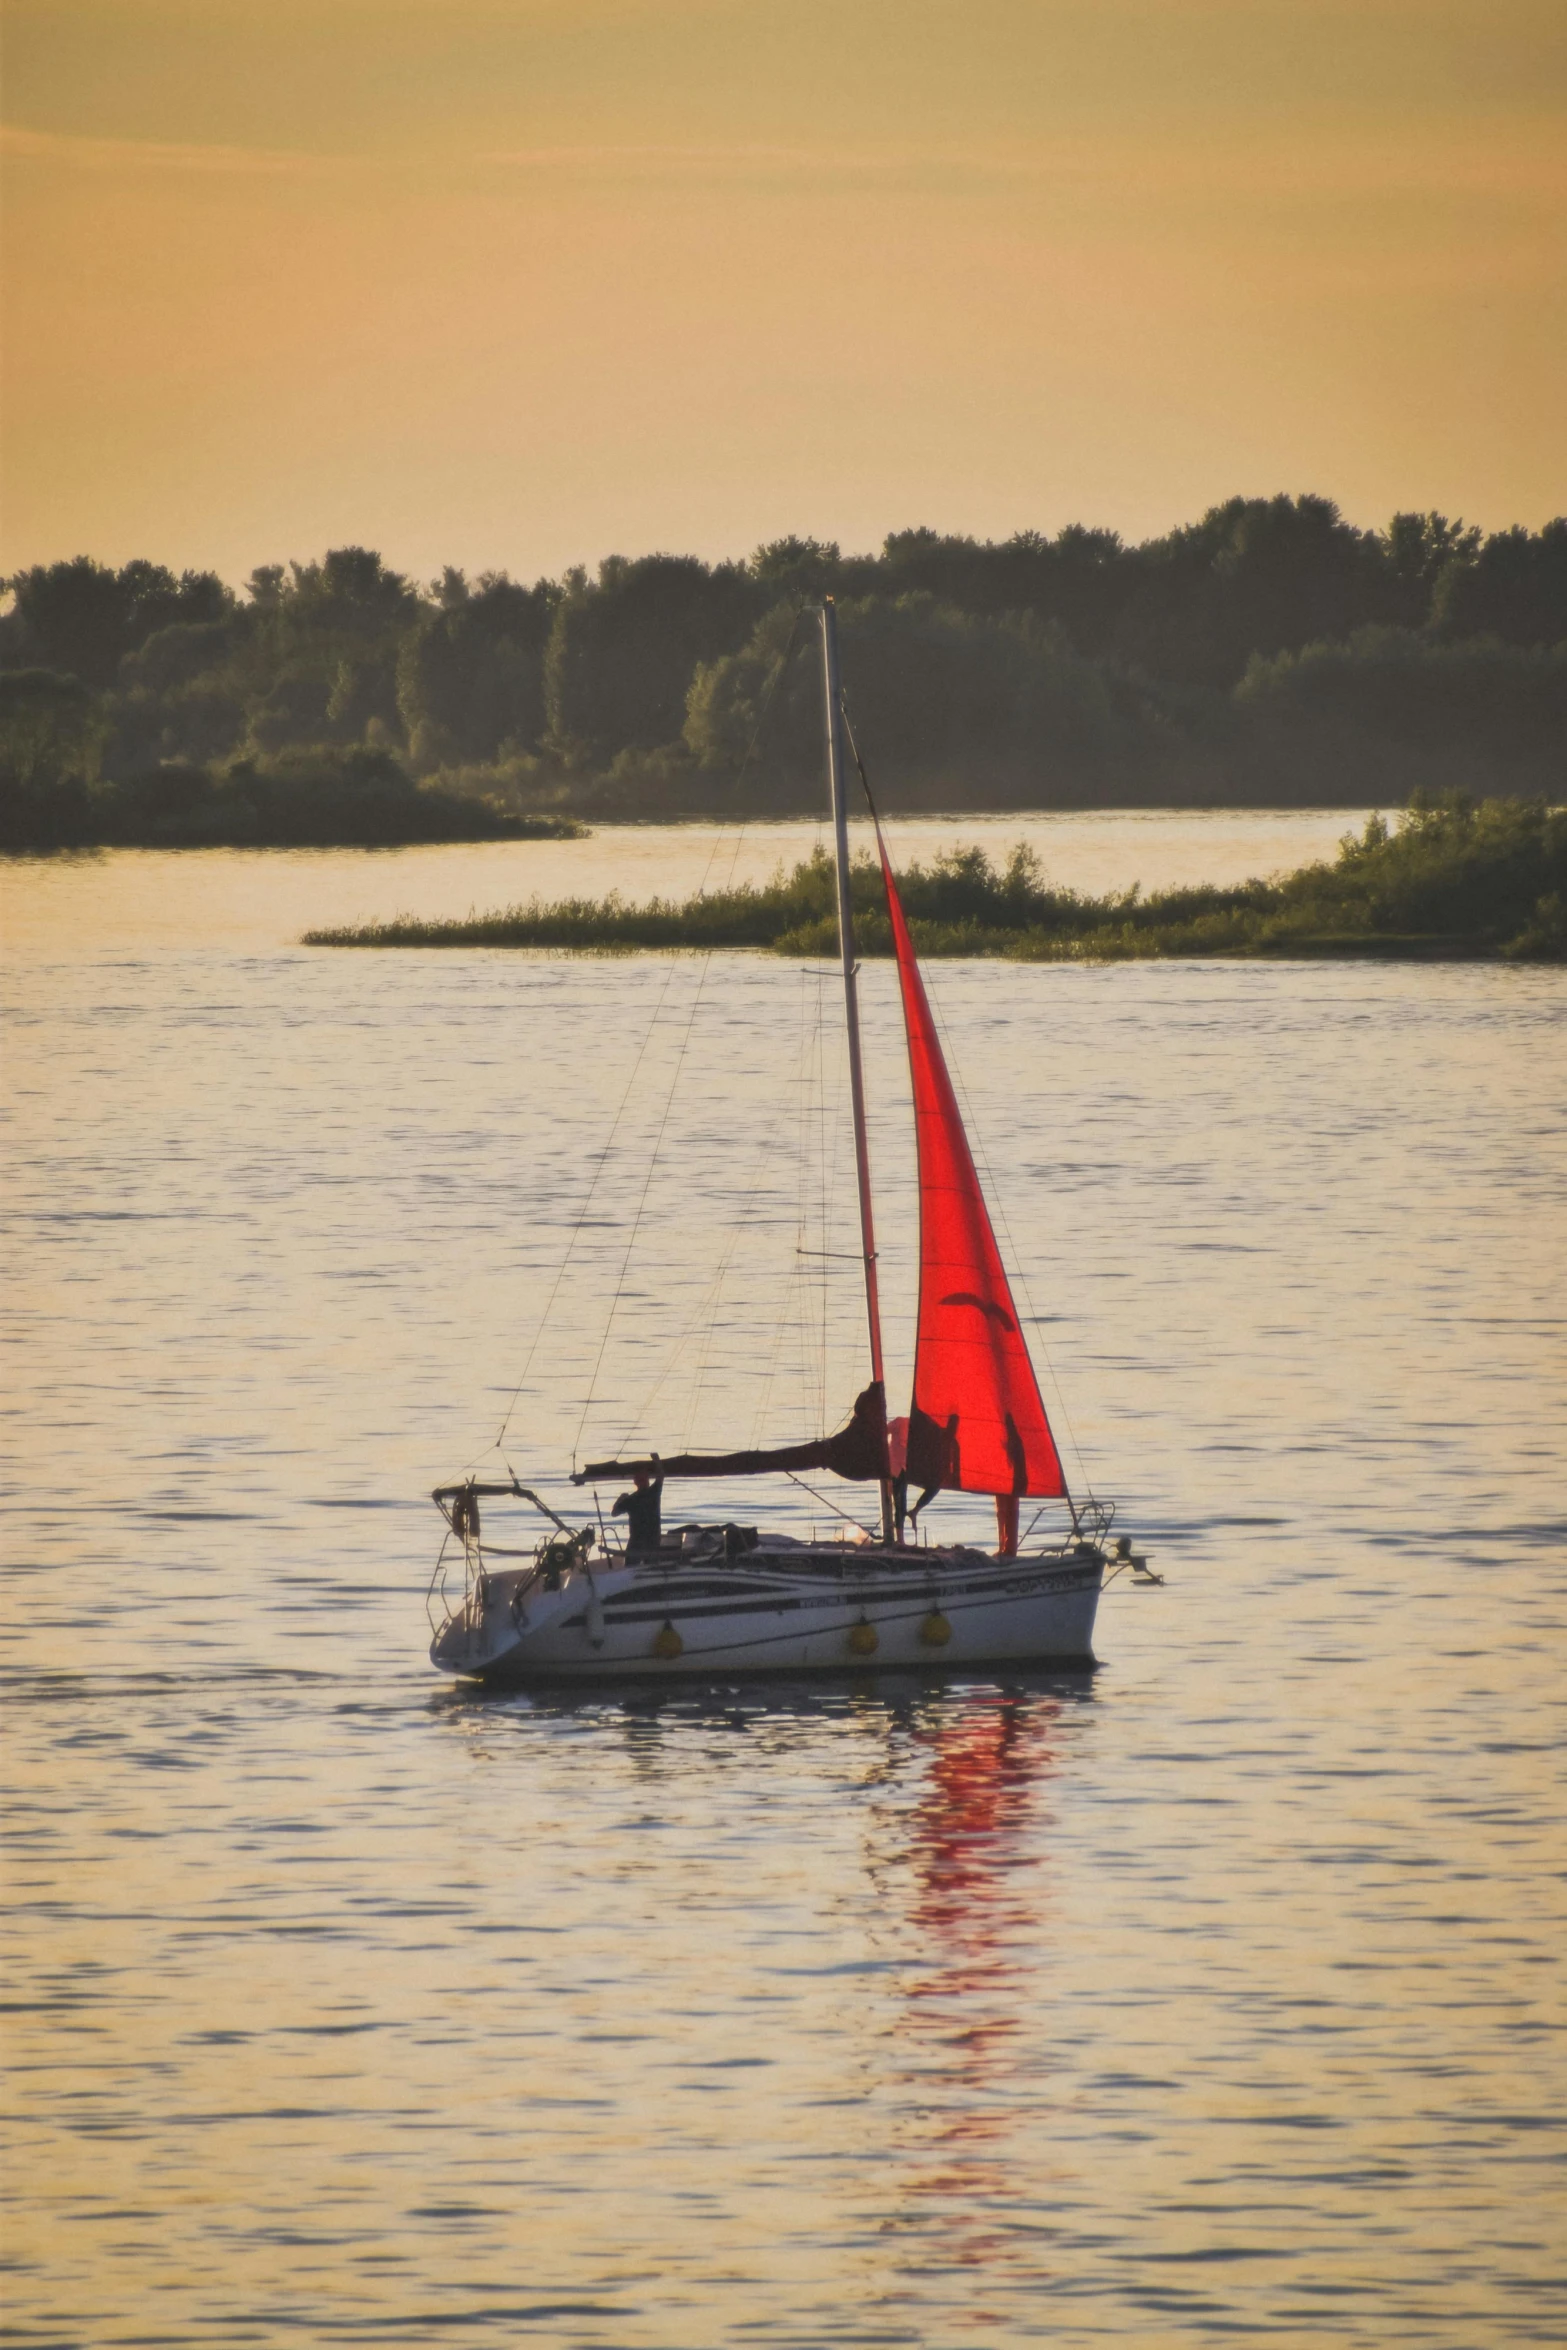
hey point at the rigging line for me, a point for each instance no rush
(647, 1182)
(702, 1319)
(1038, 1514)
(764, 712)
(748, 1217)
(809, 1310)
(607, 1153)
(703, 1316)
(828, 1139)
(1014, 1256)
(768, 697)
(814, 1305)
(814, 1122)
(794, 1324)
(834, 1141)
(600, 1164)
(706, 1315)
(799, 1322)
(698, 1392)
(977, 1139)
(828, 1503)
(642, 1416)
(699, 1322)
(1015, 1260)
(764, 1402)
(783, 1319)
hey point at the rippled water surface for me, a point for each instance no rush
(1214, 1996)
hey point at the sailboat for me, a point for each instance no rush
(580, 1603)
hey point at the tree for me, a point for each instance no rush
(1256, 575)
(470, 675)
(941, 698)
(1418, 551)
(334, 630)
(351, 591)
(1393, 709)
(797, 571)
(82, 618)
(622, 650)
(51, 732)
(1515, 588)
(51, 727)
(182, 695)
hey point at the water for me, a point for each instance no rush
(1218, 1995)
(126, 904)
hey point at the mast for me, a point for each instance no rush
(851, 1006)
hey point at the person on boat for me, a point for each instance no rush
(949, 1471)
(1007, 1503)
(642, 1510)
(898, 1469)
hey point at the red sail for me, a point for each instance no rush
(977, 1421)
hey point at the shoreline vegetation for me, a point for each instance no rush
(332, 799)
(1270, 654)
(1456, 880)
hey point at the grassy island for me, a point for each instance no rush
(1456, 879)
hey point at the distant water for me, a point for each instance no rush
(138, 901)
(1215, 1997)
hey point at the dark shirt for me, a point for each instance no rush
(644, 1518)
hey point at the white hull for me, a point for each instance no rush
(801, 1609)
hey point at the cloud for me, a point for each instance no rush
(1508, 159)
(21, 145)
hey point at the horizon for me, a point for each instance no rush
(428, 581)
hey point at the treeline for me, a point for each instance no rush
(1270, 652)
(1457, 879)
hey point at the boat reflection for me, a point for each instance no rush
(973, 1860)
(943, 1792)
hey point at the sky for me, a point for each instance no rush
(518, 283)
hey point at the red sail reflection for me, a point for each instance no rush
(976, 1904)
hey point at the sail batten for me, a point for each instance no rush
(977, 1423)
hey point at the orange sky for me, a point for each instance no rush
(516, 282)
